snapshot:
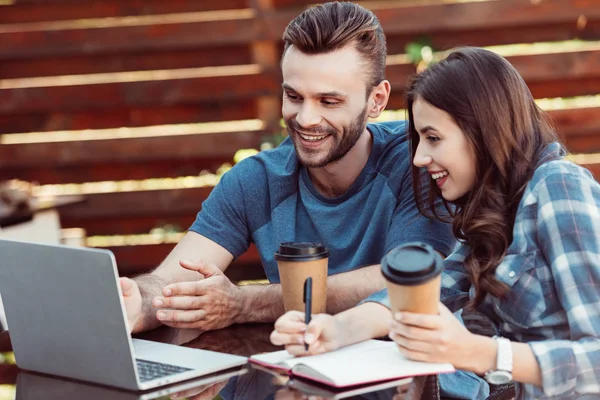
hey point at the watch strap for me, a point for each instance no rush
(504, 358)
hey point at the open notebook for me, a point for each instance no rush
(366, 362)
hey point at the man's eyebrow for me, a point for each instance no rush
(285, 86)
(331, 94)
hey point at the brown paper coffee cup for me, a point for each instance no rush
(296, 262)
(413, 278)
(294, 274)
(422, 299)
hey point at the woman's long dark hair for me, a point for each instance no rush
(508, 132)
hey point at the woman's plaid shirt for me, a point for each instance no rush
(552, 268)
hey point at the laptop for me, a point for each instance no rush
(66, 317)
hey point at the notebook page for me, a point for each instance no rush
(284, 359)
(369, 361)
(276, 358)
(345, 352)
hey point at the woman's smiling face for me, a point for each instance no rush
(443, 150)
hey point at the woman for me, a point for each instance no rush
(528, 223)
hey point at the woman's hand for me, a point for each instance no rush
(433, 338)
(322, 333)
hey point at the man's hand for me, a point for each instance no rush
(133, 302)
(212, 302)
(322, 334)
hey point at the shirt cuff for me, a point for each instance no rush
(380, 297)
(558, 365)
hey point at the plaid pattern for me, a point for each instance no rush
(553, 270)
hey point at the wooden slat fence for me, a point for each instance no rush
(71, 66)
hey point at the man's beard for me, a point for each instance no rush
(341, 145)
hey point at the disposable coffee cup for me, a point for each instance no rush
(413, 275)
(297, 261)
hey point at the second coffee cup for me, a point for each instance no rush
(413, 275)
(297, 261)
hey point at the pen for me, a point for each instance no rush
(307, 303)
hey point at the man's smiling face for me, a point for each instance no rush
(324, 103)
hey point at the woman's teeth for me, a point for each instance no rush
(439, 175)
(312, 138)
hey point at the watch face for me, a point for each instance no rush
(499, 377)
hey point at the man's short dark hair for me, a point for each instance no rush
(334, 25)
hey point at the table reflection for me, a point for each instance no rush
(32, 386)
(247, 383)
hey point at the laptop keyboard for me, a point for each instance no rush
(150, 370)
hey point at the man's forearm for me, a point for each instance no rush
(150, 286)
(346, 290)
(264, 303)
(261, 303)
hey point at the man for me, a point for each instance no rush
(334, 180)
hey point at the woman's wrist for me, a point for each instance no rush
(482, 355)
(484, 352)
(367, 321)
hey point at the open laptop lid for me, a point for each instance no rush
(64, 309)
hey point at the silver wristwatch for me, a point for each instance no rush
(504, 363)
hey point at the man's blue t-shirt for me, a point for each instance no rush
(269, 198)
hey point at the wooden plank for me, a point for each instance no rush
(267, 54)
(577, 121)
(135, 61)
(583, 144)
(35, 11)
(533, 67)
(134, 260)
(128, 162)
(571, 123)
(474, 23)
(506, 14)
(497, 36)
(565, 88)
(558, 66)
(547, 75)
(116, 171)
(155, 203)
(293, 3)
(141, 38)
(540, 90)
(579, 129)
(9, 373)
(131, 150)
(128, 225)
(594, 169)
(59, 120)
(396, 101)
(142, 93)
(144, 224)
(440, 20)
(467, 36)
